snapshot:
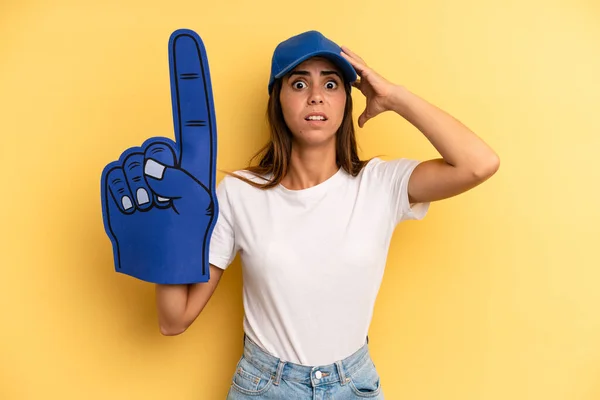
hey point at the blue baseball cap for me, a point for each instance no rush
(291, 52)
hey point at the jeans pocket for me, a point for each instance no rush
(365, 381)
(251, 380)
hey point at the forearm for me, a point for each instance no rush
(456, 143)
(171, 304)
(179, 305)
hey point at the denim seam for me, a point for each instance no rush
(279, 372)
(252, 392)
(374, 393)
(341, 373)
(344, 373)
(259, 367)
(364, 360)
(248, 375)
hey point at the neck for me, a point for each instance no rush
(310, 166)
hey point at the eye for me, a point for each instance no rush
(331, 84)
(299, 85)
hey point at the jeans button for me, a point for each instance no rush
(318, 374)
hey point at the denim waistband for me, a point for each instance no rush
(313, 375)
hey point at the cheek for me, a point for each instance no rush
(340, 106)
(288, 116)
(288, 108)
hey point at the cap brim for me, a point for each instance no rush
(347, 69)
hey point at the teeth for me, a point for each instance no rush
(316, 118)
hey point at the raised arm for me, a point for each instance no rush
(466, 160)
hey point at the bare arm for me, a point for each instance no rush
(467, 160)
(179, 305)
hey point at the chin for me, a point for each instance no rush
(315, 138)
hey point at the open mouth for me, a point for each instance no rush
(316, 117)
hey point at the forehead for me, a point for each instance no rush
(317, 64)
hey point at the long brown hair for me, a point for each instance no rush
(274, 157)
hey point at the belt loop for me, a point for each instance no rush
(340, 368)
(279, 372)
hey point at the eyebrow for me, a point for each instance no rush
(306, 73)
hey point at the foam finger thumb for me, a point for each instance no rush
(168, 182)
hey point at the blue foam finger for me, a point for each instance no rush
(133, 167)
(119, 190)
(166, 240)
(164, 153)
(193, 109)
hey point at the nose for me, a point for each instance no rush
(315, 97)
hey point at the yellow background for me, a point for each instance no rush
(494, 296)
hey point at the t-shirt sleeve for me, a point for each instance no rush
(223, 247)
(395, 175)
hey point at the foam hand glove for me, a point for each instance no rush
(158, 201)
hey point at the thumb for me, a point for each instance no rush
(363, 118)
(168, 182)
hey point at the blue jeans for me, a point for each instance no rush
(260, 375)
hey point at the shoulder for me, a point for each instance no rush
(373, 164)
(233, 183)
(378, 168)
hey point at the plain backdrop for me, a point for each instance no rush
(493, 296)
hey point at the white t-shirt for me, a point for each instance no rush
(312, 259)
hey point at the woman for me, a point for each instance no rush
(313, 223)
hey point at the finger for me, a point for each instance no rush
(163, 152)
(360, 68)
(354, 56)
(170, 182)
(119, 190)
(133, 166)
(362, 120)
(193, 108)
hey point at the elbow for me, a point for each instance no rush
(487, 168)
(172, 330)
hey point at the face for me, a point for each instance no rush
(313, 99)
